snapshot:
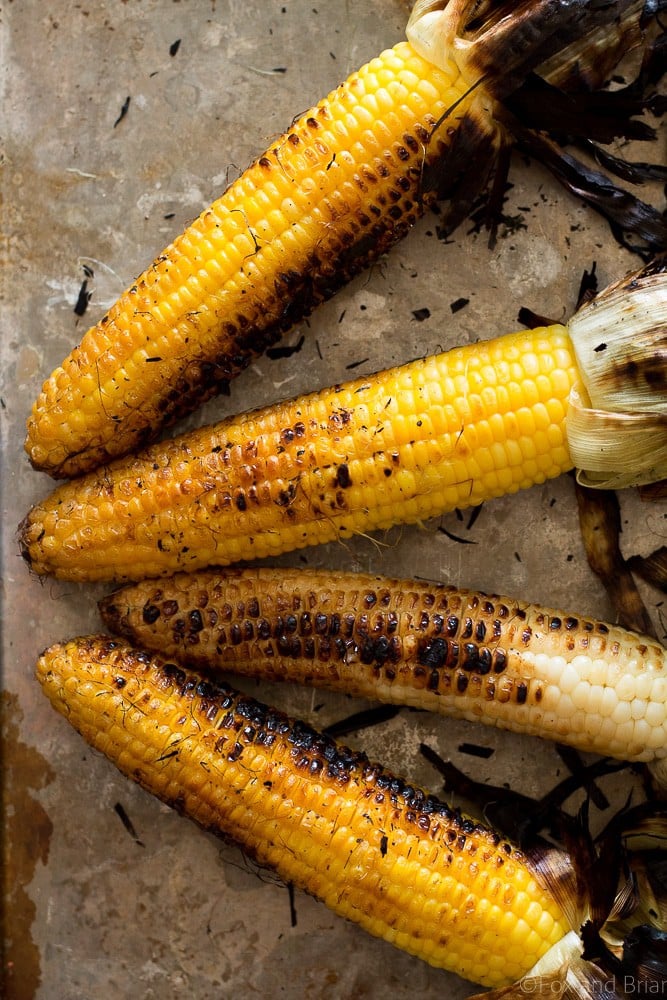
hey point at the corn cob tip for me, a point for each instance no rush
(23, 542)
(617, 418)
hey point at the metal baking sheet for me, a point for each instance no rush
(122, 121)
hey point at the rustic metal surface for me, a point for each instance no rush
(94, 911)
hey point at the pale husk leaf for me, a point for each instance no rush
(617, 417)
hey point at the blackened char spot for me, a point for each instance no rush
(150, 613)
(343, 478)
(434, 654)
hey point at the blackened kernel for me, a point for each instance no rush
(348, 622)
(150, 613)
(461, 682)
(571, 623)
(382, 650)
(291, 624)
(469, 656)
(196, 621)
(286, 497)
(174, 674)
(343, 479)
(555, 623)
(341, 648)
(433, 654)
(499, 661)
(309, 648)
(394, 649)
(283, 645)
(521, 693)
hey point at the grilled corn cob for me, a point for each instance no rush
(388, 856)
(328, 197)
(480, 657)
(412, 442)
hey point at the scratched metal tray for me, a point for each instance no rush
(123, 120)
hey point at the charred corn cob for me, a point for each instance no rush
(328, 197)
(480, 657)
(447, 431)
(386, 855)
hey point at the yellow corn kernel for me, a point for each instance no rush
(481, 657)
(388, 856)
(354, 458)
